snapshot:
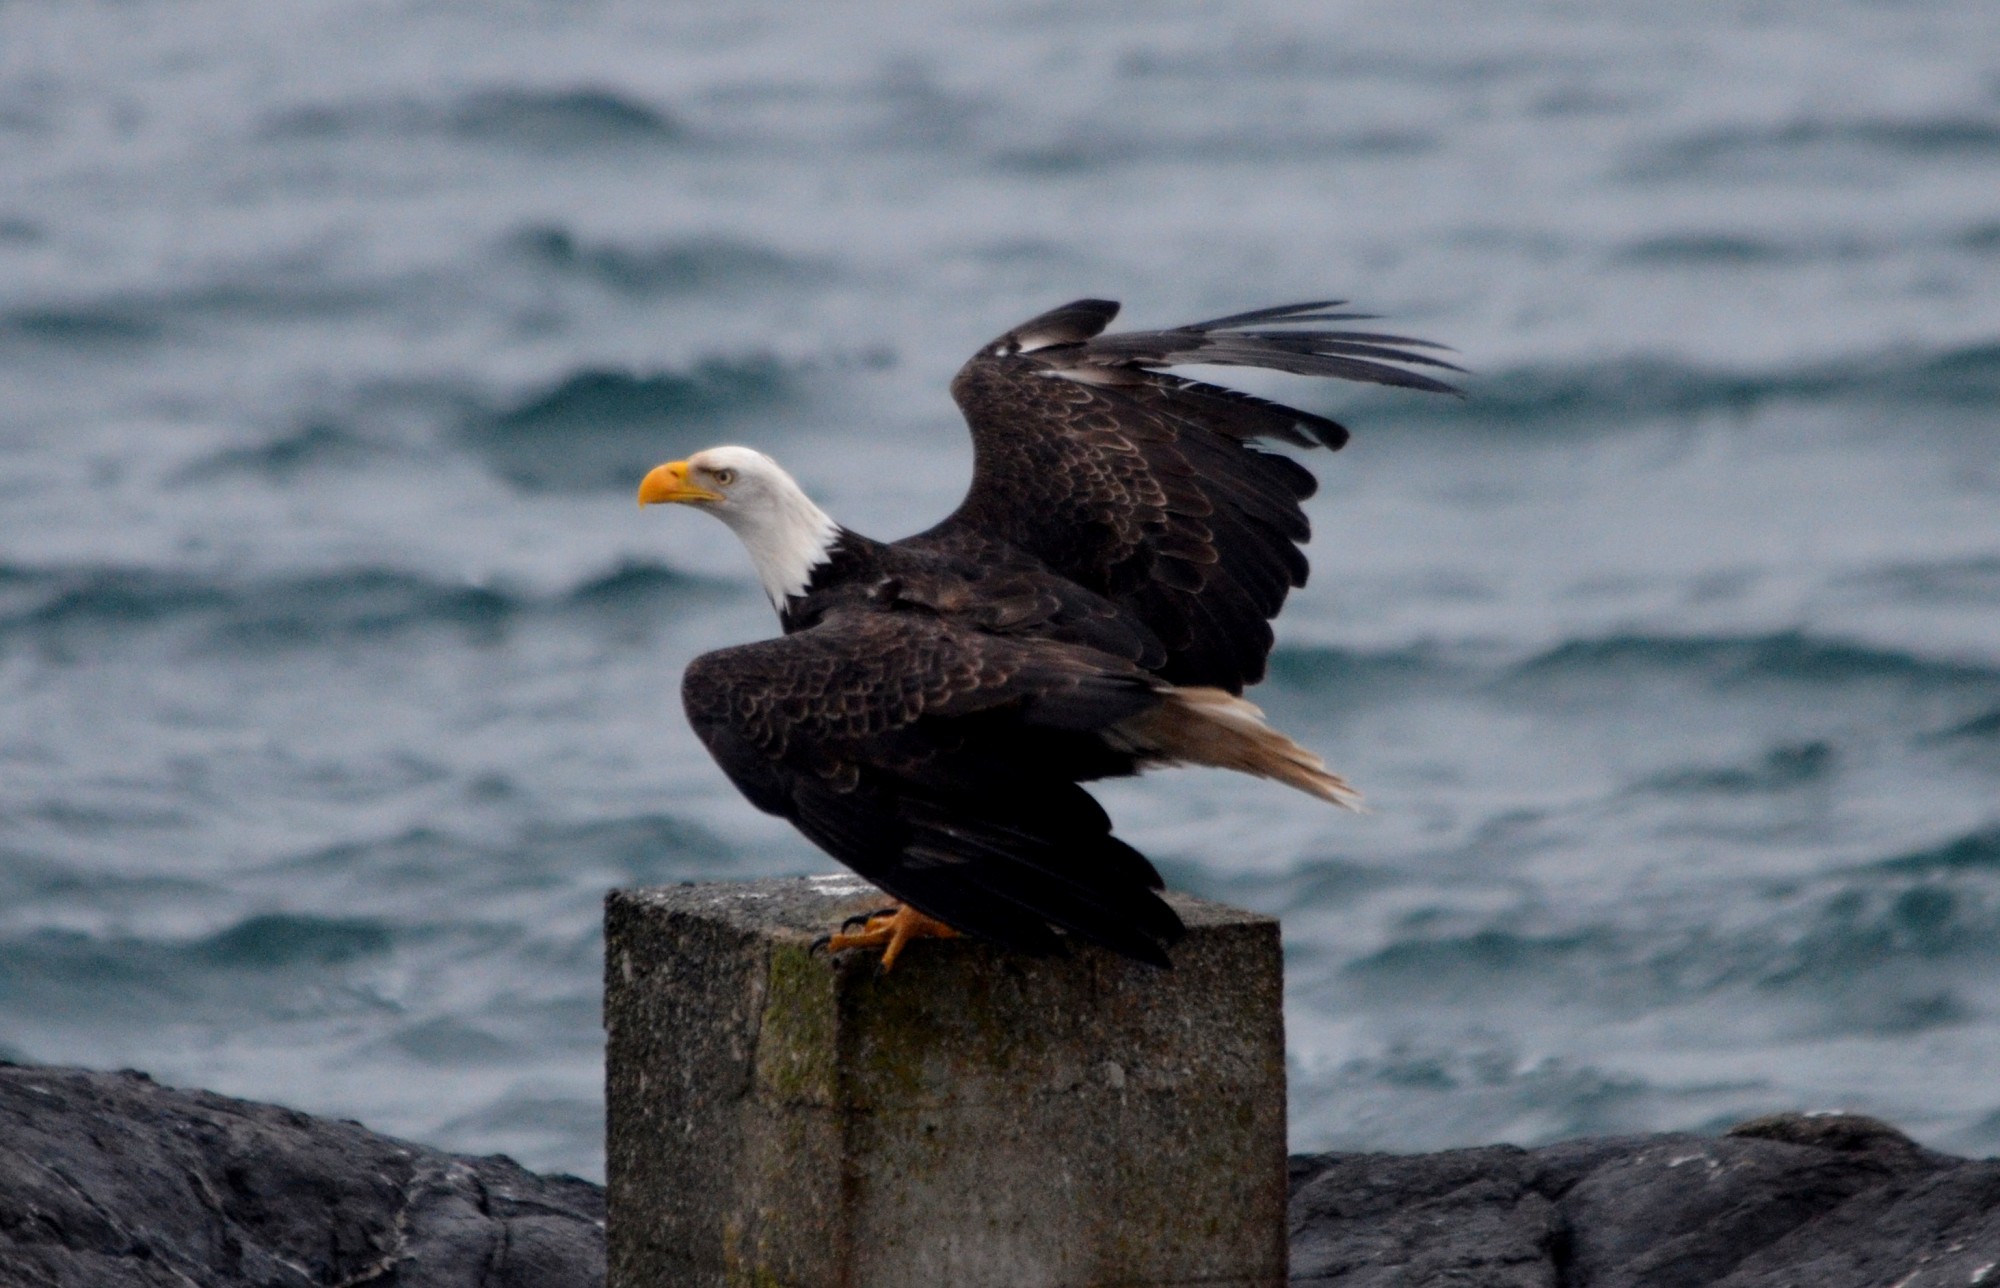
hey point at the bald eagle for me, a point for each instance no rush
(1092, 609)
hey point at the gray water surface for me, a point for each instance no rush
(339, 675)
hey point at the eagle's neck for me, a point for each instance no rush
(787, 537)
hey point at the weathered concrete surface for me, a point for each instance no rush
(109, 1180)
(1791, 1201)
(778, 1116)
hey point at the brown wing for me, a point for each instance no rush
(942, 764)
(1142, 486)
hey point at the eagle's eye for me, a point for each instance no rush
(724, 477)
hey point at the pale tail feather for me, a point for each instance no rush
(1205, 726)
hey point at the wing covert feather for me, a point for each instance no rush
(1143, 486)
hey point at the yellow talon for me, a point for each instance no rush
(890, 931)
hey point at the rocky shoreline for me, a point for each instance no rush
(110, 1180)
(1792, 1200)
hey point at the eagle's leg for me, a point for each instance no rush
(889, 931)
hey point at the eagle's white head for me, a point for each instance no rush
(786, 534)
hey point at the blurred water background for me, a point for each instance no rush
(339, 674)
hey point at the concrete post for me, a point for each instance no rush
(972, 1118)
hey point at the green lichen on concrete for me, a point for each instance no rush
(944, 1027)
(890, 1034)
(738, 1277)
(741, 1272)
(796, 1042)
(738, 1273)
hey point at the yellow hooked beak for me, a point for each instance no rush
(669, 482)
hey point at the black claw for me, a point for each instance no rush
(819, 945)
(863, 918)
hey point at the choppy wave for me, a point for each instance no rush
(1751, 152)
(1491, 962)
(258, 964)
(84, 327)
(1710, 661)
(1959, 582)
(647, 847)
(634, 583)
(49, 606)
(1981, 238)
(1727, 249)
(701, 264)
(1253, 58)
(1896, 946)
(522, 117)
(1982, 727)
(28, 876)
(1098, 150)
(1485, 1086)
(1975, 851)
(1789, 656)
(288, 939)
(602, 427)
(316, 444)
(1318, 882)
(303, 610)
(1933, 905)
(263, 960)
(1783, 768)
(1355, 675)
(408, 421)
(250, 294)
(1904, 945)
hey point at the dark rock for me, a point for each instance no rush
(1469, 1216)
(1831, 1201)
(109, 1180)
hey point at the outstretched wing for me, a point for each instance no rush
(942, 764)
(1142, 486)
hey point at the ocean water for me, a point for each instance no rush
(339, 674)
